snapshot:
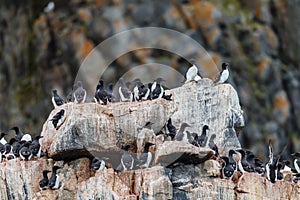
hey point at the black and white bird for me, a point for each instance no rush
(192, 74)
(170, 129)
(50, 7)
(137, 83)
(16, 148)
(182, 135)
(43, 184)
(296, 161)
(124, 92)
(227, 169)
(213, 145)
(58, 119)
(100, 94)
(54, 179)
(146, 157)
(203, 137)
(223, 74)
(26, 137)
(98, 164)
(56, 99)
(2, 139)
(80, 93)
(35, 147)
(18, 132)
(127, 161)
(70, 96)
(157, 91)
(231, 161)
(9, 146)
(272, 165)
(25, 153)
(243, 164)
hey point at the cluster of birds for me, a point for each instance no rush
(24, 147)
(131, 159)
(131, 91)
(275, 169)
(21, 145)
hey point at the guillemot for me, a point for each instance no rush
(223, 74)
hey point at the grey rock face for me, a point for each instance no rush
(96, 129)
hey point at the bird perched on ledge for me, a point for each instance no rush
(223, 74)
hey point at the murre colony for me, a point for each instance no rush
(238, 161)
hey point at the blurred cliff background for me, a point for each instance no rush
(40, 51)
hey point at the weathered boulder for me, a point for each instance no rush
(91, 128)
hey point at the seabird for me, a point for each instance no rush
(79, 94)
(16, 148)
(35, 147)
(203, 137)
(193, 138)
(18, 132)
(146, 157)
(227, 169)
(181, 134)
(171, 129)
(9, 146)
(272, 165)
(157, 91)
(50, 7)
(243, 164)
(101, 95)
(110, 96)
(26, 138)
(192, 74)
(56, 99)
(231, 161)
(125, 93)
(127, 160)
(223, 75)
(58, 119)
(98, 164)
(54, 179)
(296, 161)
(25, 153)
(43, 184)
(137, 83)
(213, 145)
(2, 139)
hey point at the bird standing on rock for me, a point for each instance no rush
(25, 153)
(227, 169)
(203, 137)
(127, 160)
(58, 119)
(35, 147)
(223, 75)
(296, 161)
(192, 74)
(124, 92)
(182, 134)
(80, 93)
(43, 184)
(2, 139)
(56, 99)
(54, 179)
(98, 164)
(18, 132)
(157, 91)
(146, 157)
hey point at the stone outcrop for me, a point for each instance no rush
(96, 129)
(179, 170)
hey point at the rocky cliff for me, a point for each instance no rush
(179, 170)
(39, 51)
